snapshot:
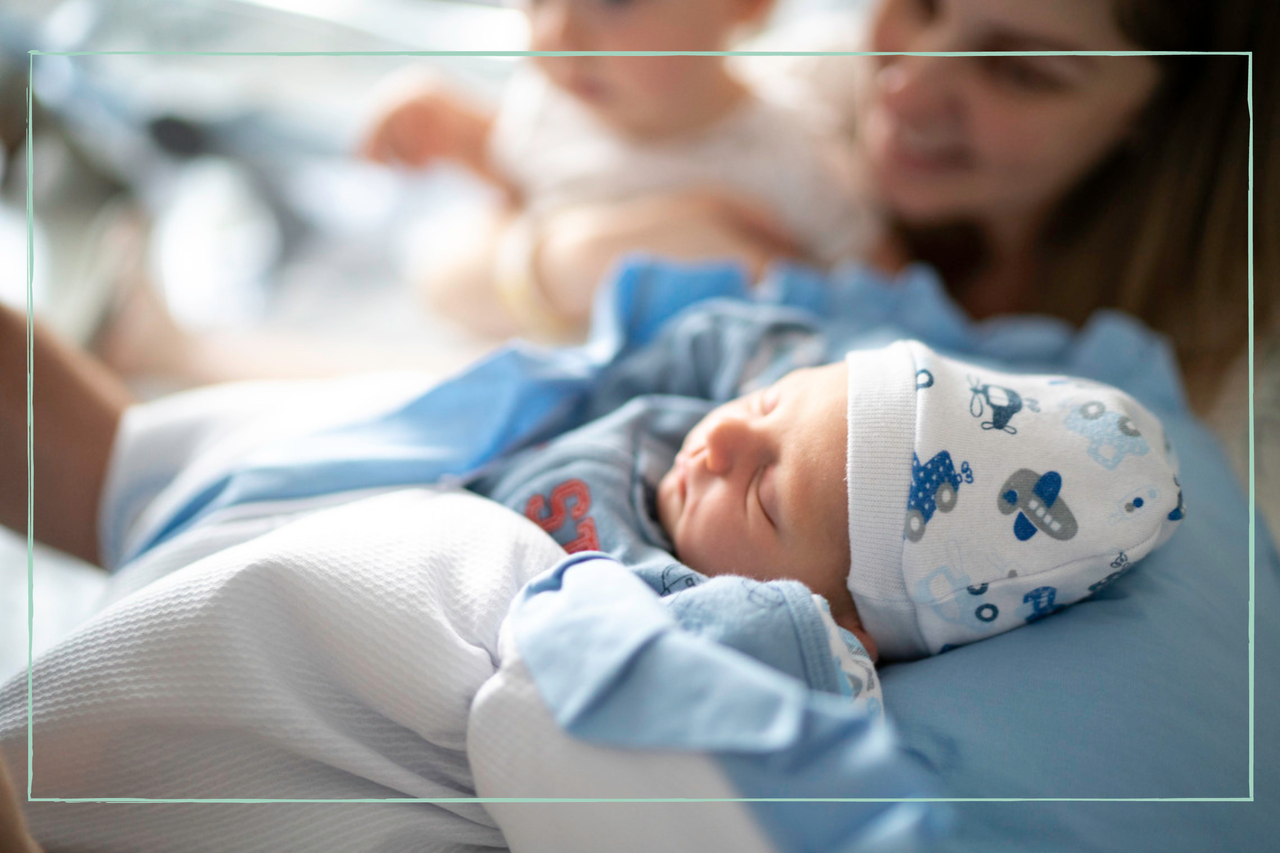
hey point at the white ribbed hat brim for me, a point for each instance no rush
(881, 442)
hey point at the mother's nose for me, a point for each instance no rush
(729, 442)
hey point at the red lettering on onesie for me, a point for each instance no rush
(552, 518)
(587, 539)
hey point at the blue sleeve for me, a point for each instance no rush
(777, 623)
(616, 666)
(585, 627)
(733, 336)
(521, 395)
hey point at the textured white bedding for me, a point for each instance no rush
(335, 656)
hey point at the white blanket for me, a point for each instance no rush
(333, 656)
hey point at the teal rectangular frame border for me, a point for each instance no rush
(518, 53)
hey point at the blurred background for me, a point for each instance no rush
(229, 184)
(226, 188)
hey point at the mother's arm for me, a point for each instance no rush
(13, 832)
(76, 408)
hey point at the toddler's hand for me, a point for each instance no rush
(421, 121)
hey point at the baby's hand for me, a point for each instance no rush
(422, 120)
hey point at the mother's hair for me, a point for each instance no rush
(1159, 228)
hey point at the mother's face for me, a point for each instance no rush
(995, 138)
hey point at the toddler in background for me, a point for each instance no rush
(571, 132)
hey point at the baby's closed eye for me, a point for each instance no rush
(765, 494)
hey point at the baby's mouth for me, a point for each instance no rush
(680, 477)
(676, 484)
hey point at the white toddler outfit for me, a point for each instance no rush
(980, 501)
(559, 155)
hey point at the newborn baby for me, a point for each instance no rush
(969, 502)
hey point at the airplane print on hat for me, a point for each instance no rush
(1040, 508)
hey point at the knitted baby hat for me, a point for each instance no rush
(980, 501)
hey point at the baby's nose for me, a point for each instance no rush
(731, 441)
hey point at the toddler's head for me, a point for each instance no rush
(932, 503)
(644, 96)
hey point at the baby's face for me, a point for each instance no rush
(758, 488)
(645, 94)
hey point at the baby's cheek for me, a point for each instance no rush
(665, 501)
(692, 550)
(717, 550)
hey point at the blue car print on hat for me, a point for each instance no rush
(1112, 435)
(933, 486)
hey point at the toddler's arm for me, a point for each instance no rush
(423, 119)
(576, 249)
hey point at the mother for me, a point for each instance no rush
(1033, 183)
